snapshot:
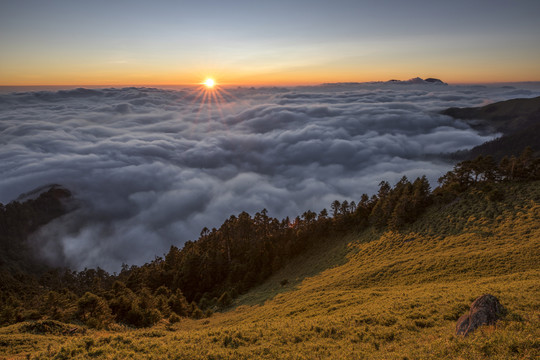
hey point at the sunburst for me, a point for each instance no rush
(211, 98)
(209, 83)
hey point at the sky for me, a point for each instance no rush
(149, 167)
(292, 42)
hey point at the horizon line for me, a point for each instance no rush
(256, 85)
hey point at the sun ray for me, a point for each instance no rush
(218, 103)
(212, 99)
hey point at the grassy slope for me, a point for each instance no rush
(396, 295)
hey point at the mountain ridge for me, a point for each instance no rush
(412, 81)
(517, 119)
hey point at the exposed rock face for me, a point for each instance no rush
(485, 310)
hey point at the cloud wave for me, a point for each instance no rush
(151, 167)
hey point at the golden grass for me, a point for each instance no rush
(395, 295)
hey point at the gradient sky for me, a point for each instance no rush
(272, 42)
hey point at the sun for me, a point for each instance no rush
(211, 95)
(209, 83)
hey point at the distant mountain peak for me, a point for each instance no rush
(435, 81)
(413, 81)
(417, 81)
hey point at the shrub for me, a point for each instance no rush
(174, 318)
(197, 314)
(93, 311)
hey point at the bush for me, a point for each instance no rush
(93, 311)
(143, 318)
(174, 318)
(197, 314)
(135, 317)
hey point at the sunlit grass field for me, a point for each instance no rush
(368, 295)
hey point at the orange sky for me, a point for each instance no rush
(309, 75)
(275, 43)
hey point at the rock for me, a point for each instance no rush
(485, 310)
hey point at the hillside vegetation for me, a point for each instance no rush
(373, 293)
(206, 275)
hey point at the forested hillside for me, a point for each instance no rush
(206, 275)
(370, 292)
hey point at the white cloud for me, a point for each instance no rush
(152, 167)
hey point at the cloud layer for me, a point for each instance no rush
(152, 167)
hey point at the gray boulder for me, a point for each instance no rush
(485, 310)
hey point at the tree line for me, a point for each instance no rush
(205, 275)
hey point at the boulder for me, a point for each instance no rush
(485, 310)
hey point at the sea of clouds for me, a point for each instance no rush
(151, 167)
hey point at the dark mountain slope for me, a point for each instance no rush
(517, 119)
(508, 117)
(19, 219)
